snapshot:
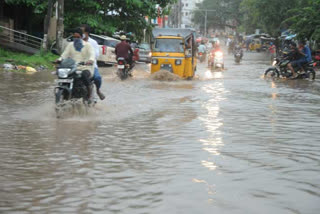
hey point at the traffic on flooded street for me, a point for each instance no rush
(228, 141)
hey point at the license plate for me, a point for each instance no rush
(121, 66)
(64, 81)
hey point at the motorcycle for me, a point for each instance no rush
(123, 68)
(237, 56)
(202, 56)
(70, 86)
(280, 68)
(216, 60)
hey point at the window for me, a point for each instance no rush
(169, 45)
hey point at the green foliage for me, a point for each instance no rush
(220, 13)
(104, 16)
(306, 21)
(27, 60)
(271, 16)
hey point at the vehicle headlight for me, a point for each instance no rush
(178, 61)
(274, 63)
(154, 61)
(150, 54)
(63, 72)
(78, 72)
(219, 54)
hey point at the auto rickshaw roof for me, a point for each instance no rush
(185, 33)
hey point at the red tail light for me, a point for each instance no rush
(120, 63)
(104, 50)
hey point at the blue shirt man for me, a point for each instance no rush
(307, 52)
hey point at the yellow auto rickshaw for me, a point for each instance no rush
(174, 50)
(255, 45)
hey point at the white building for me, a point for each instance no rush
(188, 6)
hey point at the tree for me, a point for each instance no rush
(220, 13)
(306, 21)
(105, 16)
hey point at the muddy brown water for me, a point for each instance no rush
(226, 142)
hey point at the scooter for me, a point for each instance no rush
(216, 60)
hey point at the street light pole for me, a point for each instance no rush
(205, 24)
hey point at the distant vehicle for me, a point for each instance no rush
(107, 47)
(123, 69)
(144, 53)
(215, 60)
(174, 50)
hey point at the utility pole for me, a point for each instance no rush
(179, 13)
(205, 24)
(60, 26)
(47, 25)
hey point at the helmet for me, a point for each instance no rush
(123, 37)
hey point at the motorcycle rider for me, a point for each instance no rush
(202, 49)
(216, 47)
(81, 51)
(96, 77)
(304, 54)
(237, 49)
(123, 49)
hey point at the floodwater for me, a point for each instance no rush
(226, 142)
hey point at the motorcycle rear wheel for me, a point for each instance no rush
(123, 74)
(311, 74)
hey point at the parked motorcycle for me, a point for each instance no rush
(280, 69)
(70, 86)
(216, 60)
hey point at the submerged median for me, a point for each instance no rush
(20, 62)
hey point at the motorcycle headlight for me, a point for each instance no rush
(63, 72)
(154, 61)
(219, 54)
(274, 63)
(178, 61)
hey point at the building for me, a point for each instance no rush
(187, 8)
(182, 13)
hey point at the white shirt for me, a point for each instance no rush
(86, 54)
(96, 48)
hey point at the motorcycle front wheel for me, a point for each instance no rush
(59, 95)
(271, 73)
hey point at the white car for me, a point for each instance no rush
(107, 48)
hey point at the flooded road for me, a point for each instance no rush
(226, 142)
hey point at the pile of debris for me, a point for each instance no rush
(10, 66)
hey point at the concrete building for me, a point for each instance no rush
(188, 6)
